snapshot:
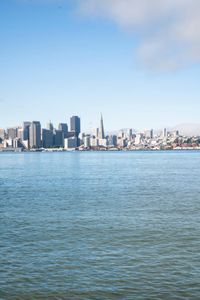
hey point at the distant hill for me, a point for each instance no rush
(189, 129)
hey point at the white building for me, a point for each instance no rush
(94, 142)
(103, 142)
(86, 141)
(138, 139)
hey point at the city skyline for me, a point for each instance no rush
(186, 128)
(58, 60)
(31, 136)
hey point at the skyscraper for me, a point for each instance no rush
(101, 129)
(151, 134)
(12, 133)
(2, 134)
(26, 126)
(58, 138)
(64, 128)
(47, 138)
(75, 125)
(35, 135)
(164, 132)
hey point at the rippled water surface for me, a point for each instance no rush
(100, 225)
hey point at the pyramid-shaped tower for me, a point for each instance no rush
(101, 129)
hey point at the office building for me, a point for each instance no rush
(75, 125)
(112, 140)
(151, 134)
(71, 143)
(47, 138)
(2, 134)
(64, 128)
(11, 133)
(94, 142)
(35, 135)
(58, 138)
(164, 132)
(86, 141)
(103, 142)
(26, 126)
(95, 132)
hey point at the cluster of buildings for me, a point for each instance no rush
(31, 137)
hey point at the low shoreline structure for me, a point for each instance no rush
(52, 150)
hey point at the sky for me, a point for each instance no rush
(135, 61)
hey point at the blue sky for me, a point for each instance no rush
(56, 62)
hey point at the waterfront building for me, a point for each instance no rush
(47, 138)
(101, 134)
(35, 135)
(75, 125)
(26, 127)
(164, 133)
(129, 134)
(103, 142)
(20, 133)
(94, 142)
(71, 143)
(86, 141)
(95, 132)
(121, 134)
(138, 139)
(17, 143)
(25, 144)
(151, 134)
(11, 133)
(112, 140)
(8, 143)
(64, 128)
(2, 134)
(122, 142)
(58, 138)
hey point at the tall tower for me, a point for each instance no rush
(75, 125)
(35, 135)
(101, 129)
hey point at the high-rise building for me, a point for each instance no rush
(47, 138)
(164, 132)
(58, 138)
(151, 134)
(101, 129)
(50, 126)
(2, 134)
(129, 134)
(64, 128)
(20, 133)
(71, 143)
(112, 140)
(35, 135)
(86, 141)
(95, 132)
(26, 126)
(11, 133)
(75, 125)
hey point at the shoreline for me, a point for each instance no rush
(13, 150)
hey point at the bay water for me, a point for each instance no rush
(100, 225)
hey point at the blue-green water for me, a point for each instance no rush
(100, 225)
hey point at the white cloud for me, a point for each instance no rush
(169, 30)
